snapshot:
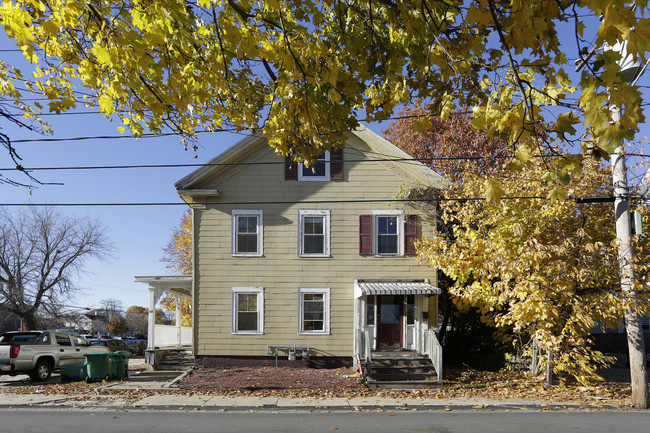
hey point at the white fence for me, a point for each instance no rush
(168, 336)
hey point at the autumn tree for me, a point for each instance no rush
(136, 319)
(545, 268)
(450, 147)
(306, 72)
(116, 326)
(178, 257)
(42, 252)
(178, 253)
(453, 148)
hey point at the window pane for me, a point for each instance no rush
(247, 243)
(370, 310)
(314, 244)
(247, 321)
(247, 302)
(247, 224)
(387, 225)
(314, 326)
(318, 169)
(387, 244)
(313, 225)
(410, 310)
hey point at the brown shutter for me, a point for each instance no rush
(410, 233)
(336, 164)
(290, 169)
(365, 234)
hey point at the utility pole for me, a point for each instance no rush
(634, 331)
(631, 69)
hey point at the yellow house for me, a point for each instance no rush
(312, 264)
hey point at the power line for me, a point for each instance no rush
(115, 137)
(242, 164)
(235, 164)
(287, 202)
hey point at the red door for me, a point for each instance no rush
(390, 322)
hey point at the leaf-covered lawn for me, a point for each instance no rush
(343, 382)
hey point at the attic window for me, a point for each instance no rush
(318, 171)
(328, 166)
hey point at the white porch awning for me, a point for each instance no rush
(388, 287)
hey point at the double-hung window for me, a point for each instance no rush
(247, 310)
(314, 233)
(314, 314)
(388, 233)
(247, 233)
(318, 171)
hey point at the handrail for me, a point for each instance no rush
(433, 349)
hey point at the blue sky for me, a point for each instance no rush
(138, 232)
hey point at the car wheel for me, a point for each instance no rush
(41, 372)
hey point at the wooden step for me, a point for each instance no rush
(408, 362)
(403, 369)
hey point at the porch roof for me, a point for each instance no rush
(179, 285)
(392, 287)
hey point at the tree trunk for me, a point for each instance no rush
(30, 322)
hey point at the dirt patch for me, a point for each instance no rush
(339, 381)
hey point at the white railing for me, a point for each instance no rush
(367, 349)
(167, 336)
(433, 350)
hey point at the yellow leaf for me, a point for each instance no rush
(493, 189)
(557, 194)
(102, 54)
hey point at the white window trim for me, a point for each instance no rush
(260, 309)
(260, 232)
(326, 312)
(400, 231)
(326, 231)
(328, 172)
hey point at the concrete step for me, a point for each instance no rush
(404, 384)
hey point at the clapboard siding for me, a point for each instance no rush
(281, 272)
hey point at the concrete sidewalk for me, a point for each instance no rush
(165, 381)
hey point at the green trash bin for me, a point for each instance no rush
(98, 366)
(119, 365)
(74, 373)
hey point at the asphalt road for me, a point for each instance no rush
(87, 421)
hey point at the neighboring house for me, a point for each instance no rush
(98, 321)
(317, 263)
(79, 322)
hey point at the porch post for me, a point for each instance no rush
(178, 320)
(151, 322)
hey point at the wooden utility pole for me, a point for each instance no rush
(635, 343)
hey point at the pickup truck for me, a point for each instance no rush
(39, 353)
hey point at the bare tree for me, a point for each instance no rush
(41, 253)
(112, 308)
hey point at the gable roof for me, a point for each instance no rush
(243, 149)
